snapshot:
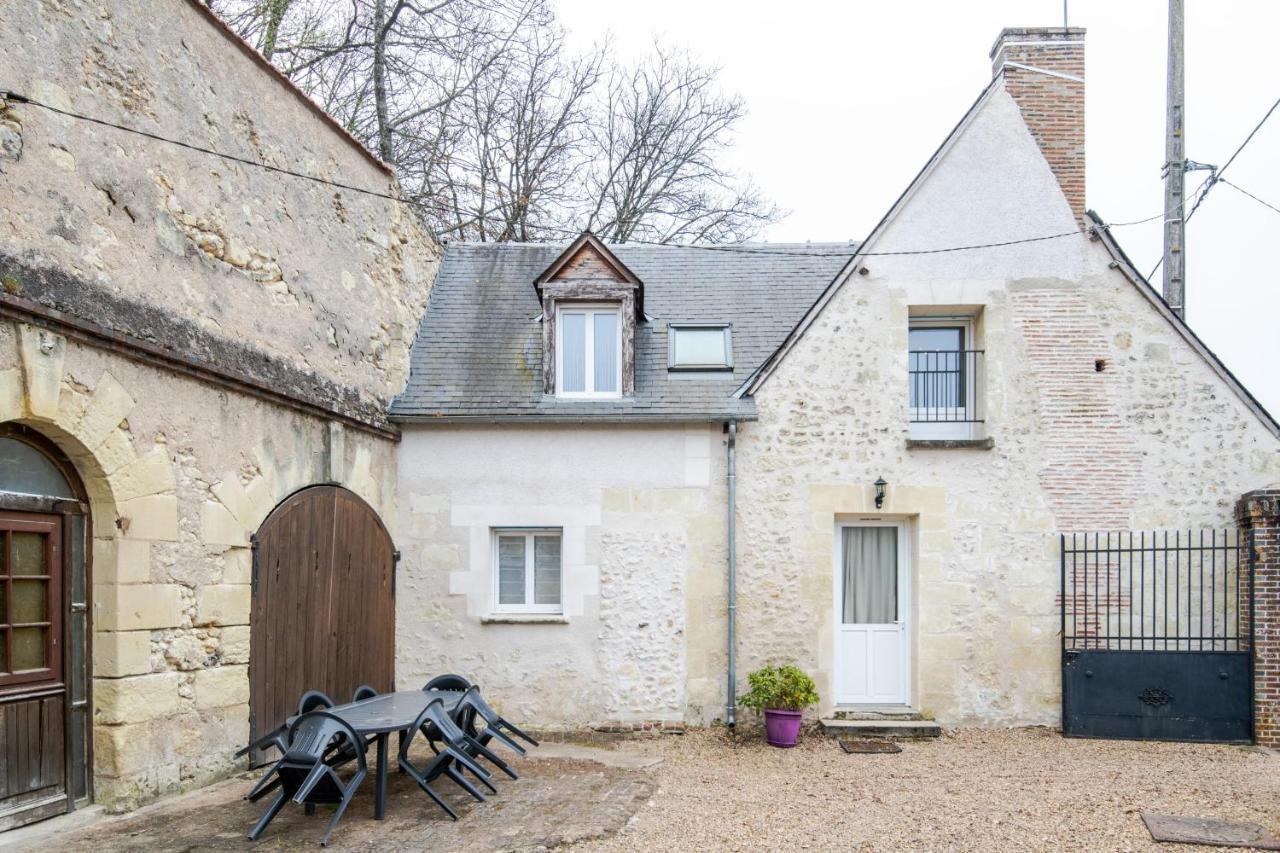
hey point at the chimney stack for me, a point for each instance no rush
(1043, 70)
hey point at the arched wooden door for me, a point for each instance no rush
(323, 613)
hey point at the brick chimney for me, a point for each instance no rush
(1043, 70)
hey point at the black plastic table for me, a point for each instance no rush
(386, 713)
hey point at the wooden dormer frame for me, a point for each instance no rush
(612, 282)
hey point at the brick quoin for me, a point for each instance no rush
(1052, 107)
(1259, 513)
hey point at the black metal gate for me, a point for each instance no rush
(1157, 635)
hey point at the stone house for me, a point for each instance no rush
(577, 448)
(178, 356)
(880, 443)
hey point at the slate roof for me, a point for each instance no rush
(478, 352)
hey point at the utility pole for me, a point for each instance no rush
(1175, 171)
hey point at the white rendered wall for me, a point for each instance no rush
(642, 514)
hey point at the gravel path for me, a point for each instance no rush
(1024, 789)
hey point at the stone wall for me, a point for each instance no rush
(179, 475)
(1102, 415)
(201, 337)
(268, 261)
(642, 510)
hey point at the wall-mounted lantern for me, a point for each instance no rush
(880, 486)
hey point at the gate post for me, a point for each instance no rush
(1258, 514)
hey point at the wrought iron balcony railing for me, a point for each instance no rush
(946, 386)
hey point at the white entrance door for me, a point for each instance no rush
(872, 607)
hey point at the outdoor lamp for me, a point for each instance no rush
(880, 484)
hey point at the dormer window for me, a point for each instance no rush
(589, 350)
(699, 346)
(591, 305)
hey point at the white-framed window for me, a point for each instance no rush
(699, 346)
(588, 351)
(945, 373)
(526, 570)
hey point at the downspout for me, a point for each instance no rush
(731, 707)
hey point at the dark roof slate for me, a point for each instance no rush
(478, 352)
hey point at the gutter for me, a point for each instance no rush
(731, 708)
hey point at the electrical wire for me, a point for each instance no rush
(1239, 188)
(1216, 176)
(16, 97)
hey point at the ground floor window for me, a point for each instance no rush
(527, 571)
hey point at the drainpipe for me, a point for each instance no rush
(731, 707)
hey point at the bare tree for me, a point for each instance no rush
(661, 138)
(517, 173)
(497, 132)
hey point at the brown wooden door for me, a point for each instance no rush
(33, 772)
(323, 615)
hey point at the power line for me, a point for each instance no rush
(1216, 176)
(745, 250)
(1239, 188)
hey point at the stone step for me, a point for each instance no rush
(865, 712)
(881, 728)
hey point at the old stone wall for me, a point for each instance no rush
(642, 515)
(326, 281)
(1101, 414)
(180, 474)
(201, 337)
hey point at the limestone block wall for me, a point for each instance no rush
(642, 510)
(256, 259)
(1102, 414)
(1153, 439)
(179, 475)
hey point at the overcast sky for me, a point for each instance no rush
(848, 99)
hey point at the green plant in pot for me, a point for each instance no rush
(781, 693)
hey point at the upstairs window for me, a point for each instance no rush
(588, 351)
(701, 346)
(945, 375)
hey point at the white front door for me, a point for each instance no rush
(872, 610)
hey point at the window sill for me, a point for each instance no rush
(524, 619)
(951, 443)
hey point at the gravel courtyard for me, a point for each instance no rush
(1025, 789)
(973, 790)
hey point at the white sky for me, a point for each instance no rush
(848, 99)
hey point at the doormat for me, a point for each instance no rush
(1208, 830)
(868, 745)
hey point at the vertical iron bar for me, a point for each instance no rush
(1095, 584)
(1075, 580)
(1200, 602)
(1110, 602)
(1142, 591)
(1166, 593)
(1062, 607)
(1213, 587)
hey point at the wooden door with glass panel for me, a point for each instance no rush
(32, 692)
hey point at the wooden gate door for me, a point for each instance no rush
(33, 777)
(323, 612)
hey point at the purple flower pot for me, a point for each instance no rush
(781, 728)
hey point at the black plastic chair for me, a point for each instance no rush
(472, 707)
(363, 692)
(446, 682)
(304, 776)
(455, 752)
(311, 700)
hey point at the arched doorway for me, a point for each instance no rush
(323, 610)
(44, 630)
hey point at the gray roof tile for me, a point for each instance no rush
(478, 353)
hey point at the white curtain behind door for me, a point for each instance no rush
(870, 565)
